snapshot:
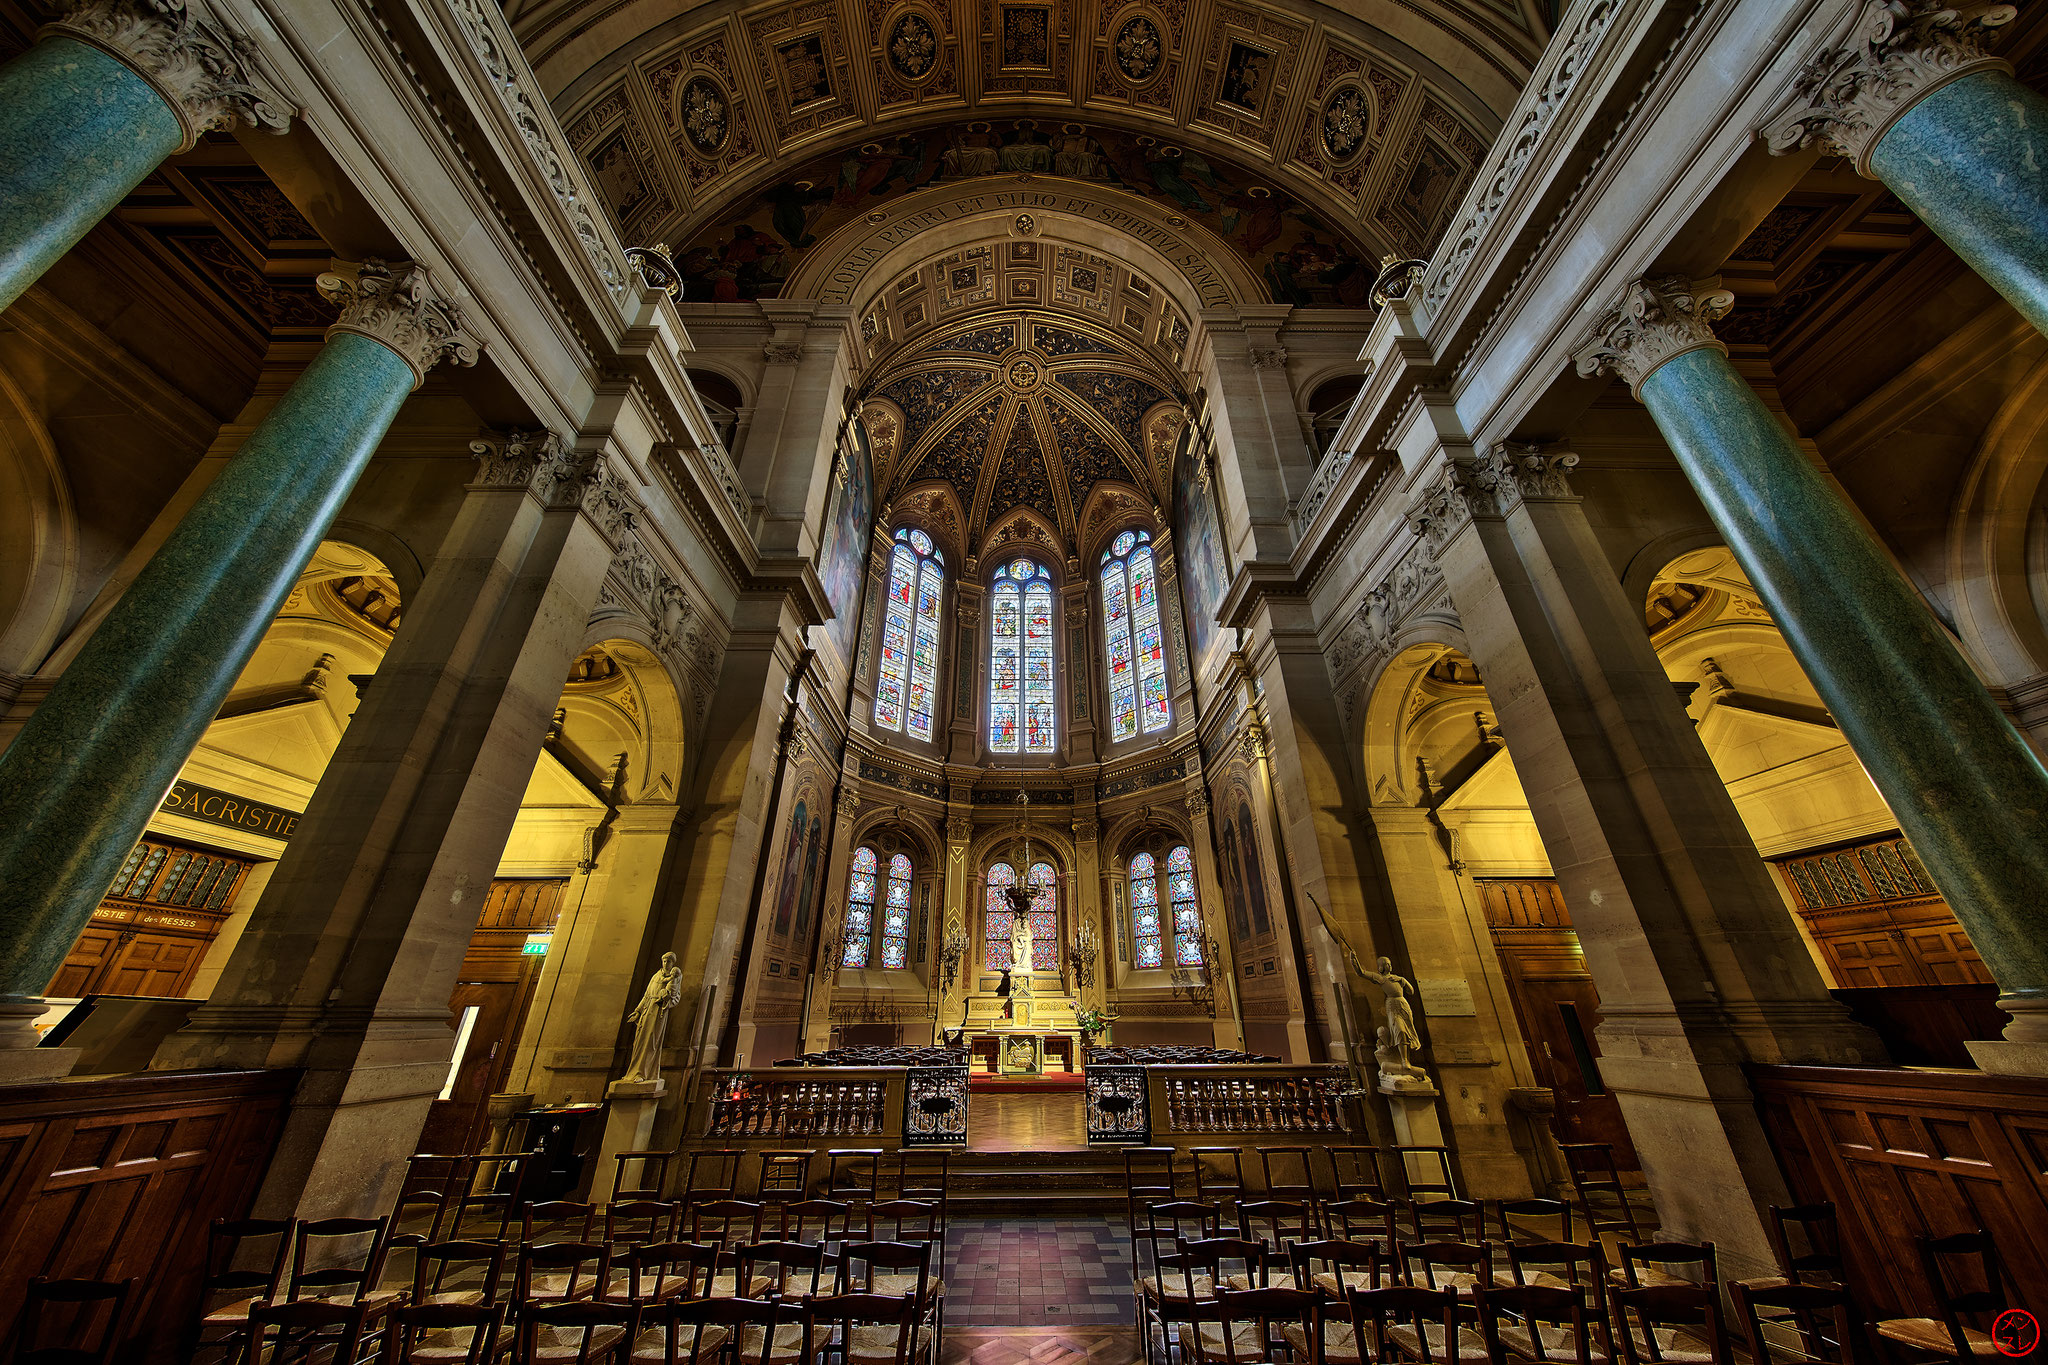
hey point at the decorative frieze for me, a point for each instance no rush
(1656, 321)
(491, 43)
(398, 306)
(1319, 488)
(206, 72)
(1894, 54)
(1409, 585)
(556, 474)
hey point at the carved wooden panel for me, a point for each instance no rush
(105, 1179)
(1906, 1153)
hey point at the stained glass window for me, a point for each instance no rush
(1145, 909)
(1044, 916)
(906, 689)
(1187, 915)
(1136, 653)
(896, 914)
(859, 932)
(1020, 716)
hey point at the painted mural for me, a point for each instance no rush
(792, 865)
(842, 555)
(1304, 259)
(1204, 566)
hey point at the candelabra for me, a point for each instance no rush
(1081, 955)
(951, 954)
(1196, 982)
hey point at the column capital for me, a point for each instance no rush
(1453, 496)
(205, 71)
(397, 305)
(1524, 471)
(1655, 321)
(959, 828)
(1197, 804)
(1894, 54)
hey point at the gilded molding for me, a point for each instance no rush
(1894, 54)
(1657, 320)
(206, 71)
(397, 305)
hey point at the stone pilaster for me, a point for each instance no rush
(347, 963)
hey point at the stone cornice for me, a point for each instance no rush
(1893, 55)
(206, 71)
(398, 306)
(1657, 320)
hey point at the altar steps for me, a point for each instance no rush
(1070, 1182)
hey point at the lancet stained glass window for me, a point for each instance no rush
(1145, 925)
(1187, 915)
(1136, 654)
(998, 917)
(907, 687)
(1020, 685)
(859, 929)
(896, 914)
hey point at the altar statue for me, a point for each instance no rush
(650, 1020)
(1020, 944)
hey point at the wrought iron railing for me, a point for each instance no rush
(935, 1106)
(1119, 1104)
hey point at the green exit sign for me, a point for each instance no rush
(537, 945)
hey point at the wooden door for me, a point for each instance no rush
(152, 929)
(1558, 1007)
(497, 981)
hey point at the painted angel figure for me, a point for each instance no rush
(650, 1020)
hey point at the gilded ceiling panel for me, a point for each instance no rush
(926, 398)
(1021, 477)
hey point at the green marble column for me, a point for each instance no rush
(1910, 95)
(1966, 789)
(89, 769)
(97, 104)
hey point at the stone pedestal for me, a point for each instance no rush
(1412, 1106)
(2003, 1057)
(628, 1127)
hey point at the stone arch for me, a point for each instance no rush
(933, 507)
(915, 828)
(399, 559)
(1023, 531)
(1655, 557)
(1111, 508)
(1994, 528)
(38, 537)
(664, 706)
(1390, 778)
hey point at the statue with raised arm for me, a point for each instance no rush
(650, 1020)
(1400, 1025)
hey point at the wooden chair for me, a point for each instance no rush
(347, 1256)
(785, 1175)
(1675, 1323)
(1288, 1173)
(1460, 1267)
(464, 1273)
(1800, 1324)
(905, 1220)
(1403, 1322)
(894, 1269)
(1148, 1180)
(871, 1329)
(1219, 1175)
(1426, 1172)
(1215, 1256)
(447, 1334)
(642, 1175)
(227, 1292)
(559, 1220)
(728, 1224)
(1250, 1323)
(1947, 1335)
(1556, 1265)
(641, 1222)
(71, 1322)
(574, 1332)
(561, 1272)
(1168, 1297)
(1591, 1166)
(1446, 1220)
(657, 1272)
(1541, 1323)
(1363, 1220)
(713, 1174)
(792, 1269)
(494, 1192)
(694, 1331)
(1346, 1265)
(433, 1185)
(854, 1174)
(1355, 1173)
(1507, 1210)
(1820, 1263)
(306, 1331)
(1654, 1263)
(829, 1221)
(1279, 1224)
(922, 1175)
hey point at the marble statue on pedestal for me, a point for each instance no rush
(1397, 1038)
(650, 1020)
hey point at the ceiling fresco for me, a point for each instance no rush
(1298, 254)
(1024, 411)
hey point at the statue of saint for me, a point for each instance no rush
(650, 1020)
(1400, 1026)
(1020, 944)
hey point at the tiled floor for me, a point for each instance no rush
(1039, 1346)
(1039, 1272)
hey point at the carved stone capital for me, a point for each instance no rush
(849, 807)
(205, 71)
(557, 474)
(1448, 503)
(1523, 471)
(1198, 804)
(1267, 357)
(959, 828)
(1251, 741)
(782, 353)
(1895, 54)
(1656, 321)
(398, 306)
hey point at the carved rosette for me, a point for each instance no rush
(1657, 320)
(205, 71)
(1895, 54)
(397, 305)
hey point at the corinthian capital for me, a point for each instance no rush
(1895, 53)
(398, 306)
(1521, 471)
(1656, 321)
(205, 71)
(1449, 501)
(536, 460)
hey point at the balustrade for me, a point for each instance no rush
(771, 1104)
(1251, 1099)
